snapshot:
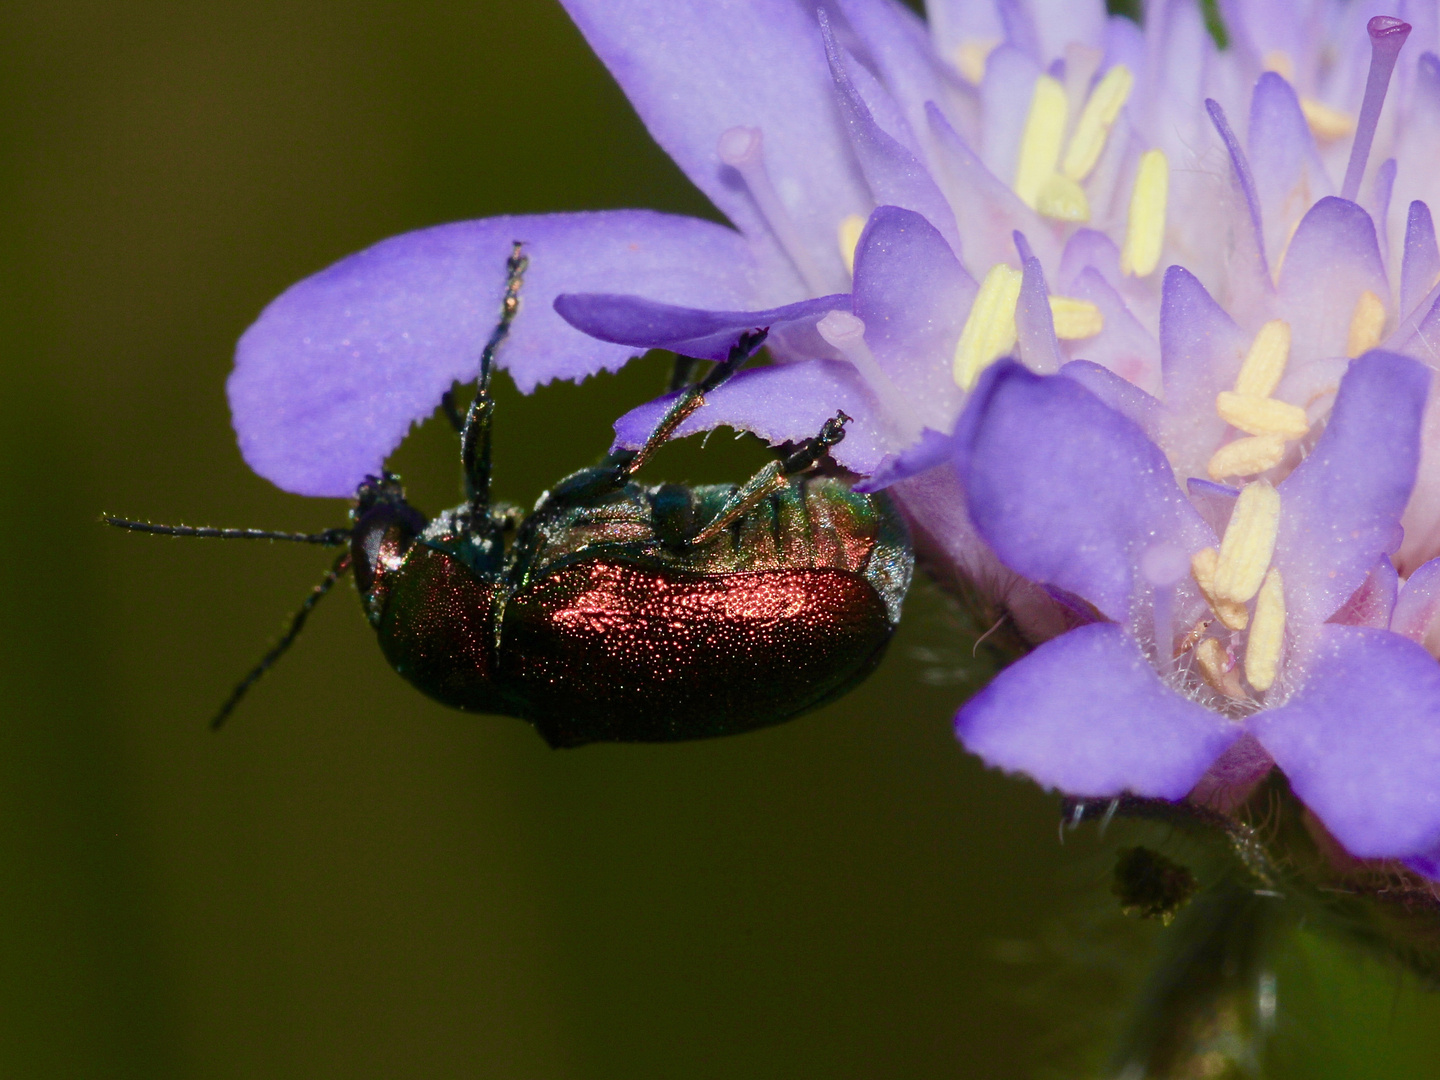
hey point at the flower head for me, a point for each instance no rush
(1201, 242)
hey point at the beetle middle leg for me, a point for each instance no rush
(772, 478)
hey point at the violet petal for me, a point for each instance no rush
(1288, 173)
(335, 371)
(1340, 508)
(709, 335)
(1360, 741)
(1333, 258)
(1201, 350)
(913, 295)
(1421, 264)
(895, 177)
(1418, 604)
(1087, 714)
(1069, 492)
(694, 69)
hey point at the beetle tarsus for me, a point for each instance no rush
(772, 478)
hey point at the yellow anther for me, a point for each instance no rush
(1261, 416)
(1325, 123)
(1265, 362)
(1099, 115)
(1267, 633)
(970, 57)
(1248, 543)
(1075, 319)
(1247, 457)
(1216, 666)
(1202, 568)
(1040, 144)
(1278, 61)
(850, 229)
(1366, 324)
(989, 331)
(1063, 199)
(1145, 230)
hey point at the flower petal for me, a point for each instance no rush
(912, 294)
(1418, 604)
(987, 211)
(1087, 714)
(1069, 492)
(1035, 339)
(1332, 260)
(895, 177)
(709, 335)
(782, 403)
(693, 69)
(1123, 345)
(1360, 741)
(332, 375)
(1340, 508)
(1287, 171)
(1420, 267)
(1201, 350)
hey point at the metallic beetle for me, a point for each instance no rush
(616, 611)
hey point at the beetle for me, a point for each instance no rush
(617, 612)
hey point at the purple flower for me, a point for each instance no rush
(1226, 628)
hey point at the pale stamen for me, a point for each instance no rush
(1202, 568)
(1037, 182)
(1267, 633)
(1366, 325)
(970, 57)
(743, 149)
(1040, 144)
(989, 331)
(1247, 457)
(849, 236)
(1387, 35)
(846, 333)
(1098, 117)
(1075, 319)
(1248, 543)
(1261, 415)
(1145, 228)
(1264, 364)
(1217, 667)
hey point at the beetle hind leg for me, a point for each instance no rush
(772, 478)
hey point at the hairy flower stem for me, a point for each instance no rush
(1209, 1002)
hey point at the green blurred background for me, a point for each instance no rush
(350, 880)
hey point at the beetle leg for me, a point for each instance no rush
(771, 479)
(690, 400)
(475, 436)
(680, 374)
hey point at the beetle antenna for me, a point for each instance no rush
(328, 538)
(297, 623)
(475, 438)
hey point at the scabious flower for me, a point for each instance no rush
(1243, 628)
(1023, 179)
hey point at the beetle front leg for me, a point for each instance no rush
(475, 435)
(771, 479)
(692, 398)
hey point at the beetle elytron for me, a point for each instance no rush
(614, 611)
